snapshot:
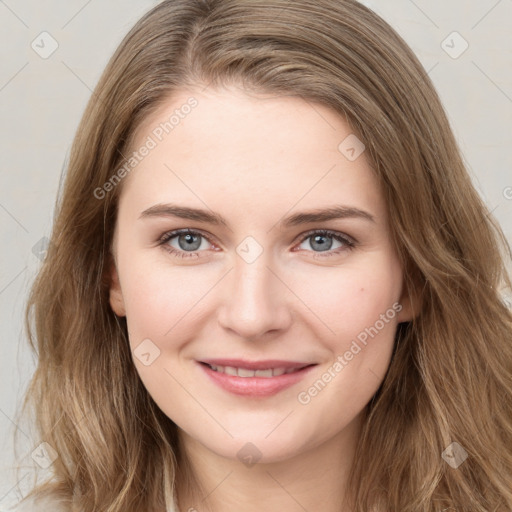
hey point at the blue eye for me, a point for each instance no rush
(190, 241)
(318, 238)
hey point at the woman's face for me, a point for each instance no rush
(255, 285)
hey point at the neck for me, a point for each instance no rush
(314, 479)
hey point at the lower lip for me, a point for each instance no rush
(255, 386)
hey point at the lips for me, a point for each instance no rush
(256, 365)
(245, 372)
(254, 378)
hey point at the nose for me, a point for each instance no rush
(255, 301)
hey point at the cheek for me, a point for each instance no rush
(159, 298)
(166, 303)
(361, 306)
(349, 299)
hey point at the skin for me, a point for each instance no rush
(255, 159)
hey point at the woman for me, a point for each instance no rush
(272, 285)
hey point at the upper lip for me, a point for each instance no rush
(256, 365)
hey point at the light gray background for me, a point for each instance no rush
(42, 100)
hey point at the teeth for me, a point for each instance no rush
(263, 373)
(244, 372)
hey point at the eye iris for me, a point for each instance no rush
(188, 237)
(322, 246)
(190, 242)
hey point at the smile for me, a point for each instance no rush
(254, 379)
(245, 372)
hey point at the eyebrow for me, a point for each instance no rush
(318, 215)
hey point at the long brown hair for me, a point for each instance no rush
(450, 376)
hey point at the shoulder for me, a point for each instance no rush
(40, 504)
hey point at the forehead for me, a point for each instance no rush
(255, 151)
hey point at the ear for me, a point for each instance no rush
(115, 293)
(411, 301)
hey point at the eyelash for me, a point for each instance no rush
(350, 243)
